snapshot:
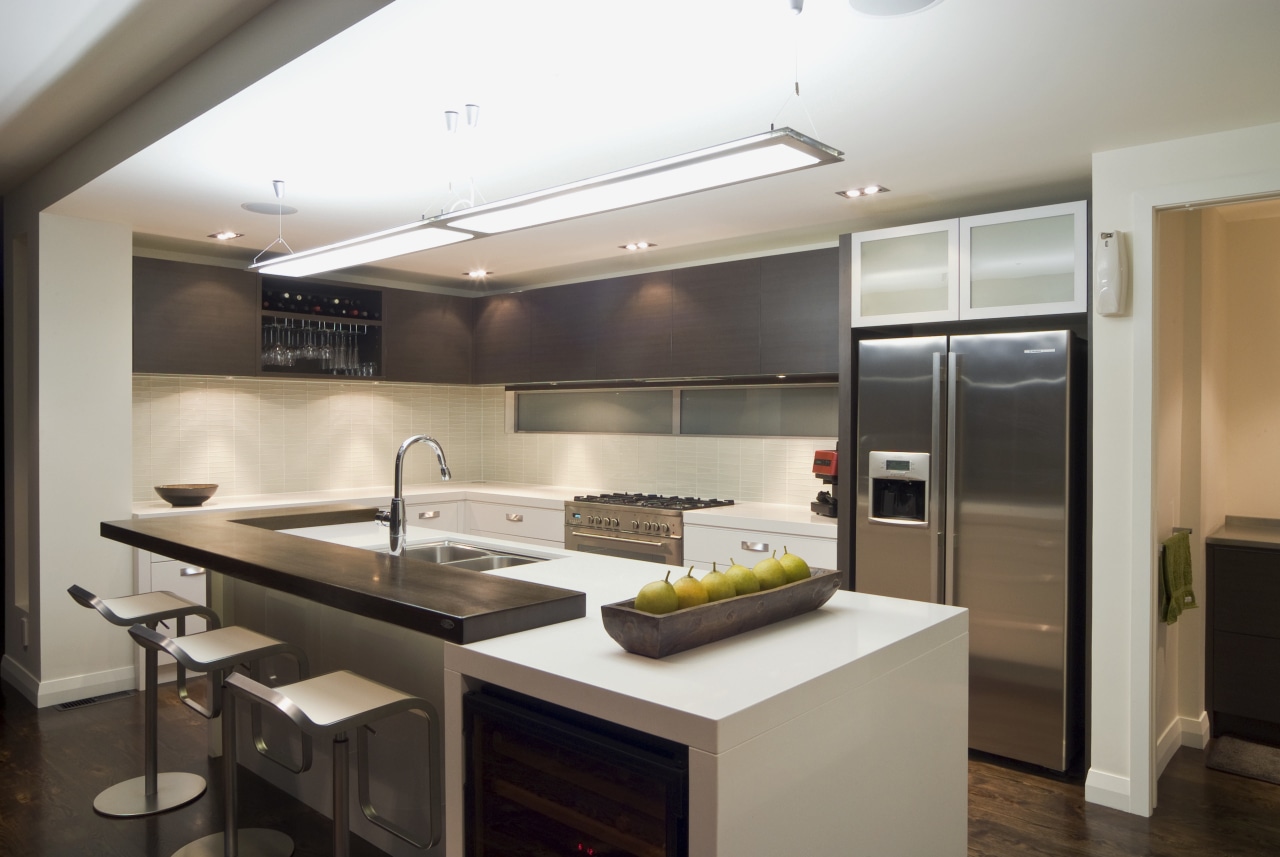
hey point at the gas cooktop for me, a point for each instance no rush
(652, 501)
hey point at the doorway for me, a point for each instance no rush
(1216, 413)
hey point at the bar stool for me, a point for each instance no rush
(217, 653)
(152, 792)
(331, 705)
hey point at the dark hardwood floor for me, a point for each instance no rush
(53, 763)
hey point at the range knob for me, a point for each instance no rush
(635, 525)
(595, 519)
(646, 526)
(613, 522)
(666, 530)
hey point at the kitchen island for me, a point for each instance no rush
(844, 729)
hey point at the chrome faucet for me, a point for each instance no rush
(396, 517)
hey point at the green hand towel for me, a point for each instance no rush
(1176, 577)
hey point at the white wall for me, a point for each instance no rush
(1128, 184)
(1251, 281)
(262, 436)
(85, 354)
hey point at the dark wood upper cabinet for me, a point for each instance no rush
(427, 337)
(562, 332)
(500, 340)
(715, 319)
(633, 327)
(799, 321)
(765, 316)
(195, 319)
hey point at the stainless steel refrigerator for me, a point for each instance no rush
(969, 492)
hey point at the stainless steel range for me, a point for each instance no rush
(646, 527)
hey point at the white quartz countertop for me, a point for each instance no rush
(785, 518)
(713, 697)
(716, 696)
(792, 519)
(547, 496)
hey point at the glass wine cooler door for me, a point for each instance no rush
(543, 780)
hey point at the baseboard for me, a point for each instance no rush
(1167, 744)
(1109, 790)
(16, 674)
(1195, 731)
(76, 687)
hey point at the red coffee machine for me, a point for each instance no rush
(825, 467)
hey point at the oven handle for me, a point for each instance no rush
(616, 539)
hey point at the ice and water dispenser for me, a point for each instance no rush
(899, 488)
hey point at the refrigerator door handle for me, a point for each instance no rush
(953, 407)
(937, 481)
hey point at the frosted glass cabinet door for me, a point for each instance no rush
(1028, 262)
(907, 274)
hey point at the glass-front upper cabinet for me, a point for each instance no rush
(1013, 263)
(1028, 262)
(906, 274)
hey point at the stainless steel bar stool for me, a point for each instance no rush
(152, 792)
(217, 653)
(331, 705)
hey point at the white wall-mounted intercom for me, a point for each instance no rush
(1110, 275)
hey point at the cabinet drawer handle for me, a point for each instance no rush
(755, 547)
(190, 571)
(427, 516)
(515, 517)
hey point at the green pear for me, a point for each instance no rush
(770, 572)
(658, 597)
(793, 566)
(718, 585)
(689, 591)
(744, 580)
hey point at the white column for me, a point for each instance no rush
(85, 391)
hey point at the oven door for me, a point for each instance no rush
(644, 547)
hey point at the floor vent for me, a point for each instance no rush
(91, 700)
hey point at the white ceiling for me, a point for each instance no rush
(967, 107)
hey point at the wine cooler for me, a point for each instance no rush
(545, 781)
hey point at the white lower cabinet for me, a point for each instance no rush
(705, 545)
(156, 573)
(435, 516)
(532, 524)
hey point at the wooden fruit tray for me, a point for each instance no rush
(658, 636)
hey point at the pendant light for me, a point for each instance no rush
(775, 152)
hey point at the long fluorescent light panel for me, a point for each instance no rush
(772, 153)
(399, 241)
(756, 157)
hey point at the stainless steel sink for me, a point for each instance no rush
(467, 557)
(444, 552)
(491, 562)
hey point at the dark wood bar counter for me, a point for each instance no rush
(454, 605)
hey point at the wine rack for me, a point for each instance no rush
(312, 329)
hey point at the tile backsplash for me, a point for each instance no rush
(267, 436)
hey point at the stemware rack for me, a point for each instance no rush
(314, 329)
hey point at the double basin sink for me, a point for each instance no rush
(465, 556)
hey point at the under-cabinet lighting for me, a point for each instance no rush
(772, 153)
(389, 243)
(226, 235)
(477, 275)
(636, 245)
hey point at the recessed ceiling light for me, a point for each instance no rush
(869, 190)
(636, 245)
(226, 235)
